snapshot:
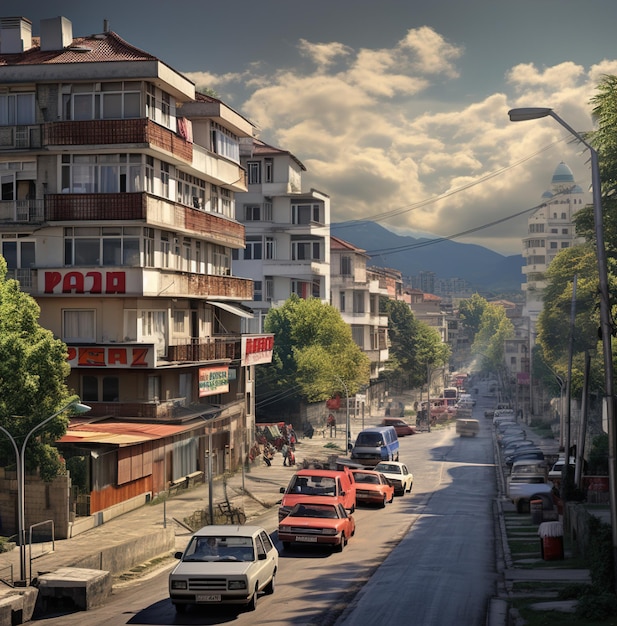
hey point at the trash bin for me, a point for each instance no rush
(551, 540)
(536, 508)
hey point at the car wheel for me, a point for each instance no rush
(286, 545)
(341, 545)
(269, 588)
(180, 608)
(382, 504)
(252, 605)
(410, 487)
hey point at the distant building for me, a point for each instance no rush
(550, 229)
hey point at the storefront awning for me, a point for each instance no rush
(236, 309)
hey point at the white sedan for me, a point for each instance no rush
(397, 474)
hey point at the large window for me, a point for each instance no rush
(18, 253)
(306, 250)
(258, 212)
(306, 289)
(94, 101)
(345, 266)
(225, 143)
(254, 172)
(100, 388)
(102, 173)
(305, 213)
(16, 109)
(254, 248)
(107, 245)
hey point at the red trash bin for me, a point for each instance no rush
(551, 540)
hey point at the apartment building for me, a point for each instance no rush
(287, 231)
(550, 229)
(118, 215)
(356, 290)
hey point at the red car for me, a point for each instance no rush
(372, 487)
(317, 521)
(401, 427)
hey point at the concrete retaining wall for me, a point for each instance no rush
(124, 556)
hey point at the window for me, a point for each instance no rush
(164, 179)
(305, 250)
(357, 334)
(306, 289)
(269, 288)
(258, 212)
(179, 322)
(152, 328)
(565, 244)
(254, 172)
(100, 388)
(165, 248)
(191, 190)
(345, 266)
(221, 261)
(17, 109)
(78, 325)
(553, 245)
(305, 213)
(18, 253)
(563, 216)
(268, 170)
(270, 248)
(254, 247)
(109, 245)
(564, 231)
(93, 101)
(225, 143)
(358, 302)
(103, 173)
(342, 302)
(257, 291)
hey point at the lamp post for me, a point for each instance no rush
(532, 113)
(21, 477)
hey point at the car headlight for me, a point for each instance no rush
(236, 584)
(329, 531)
(178, 584)
(284, 529)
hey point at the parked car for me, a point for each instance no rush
(517, 446)
(372, 487)
(398, 475)
(401, 427)
(557, 469)
(317, 521)
(336, 485)
(224, 565)
(533, 453)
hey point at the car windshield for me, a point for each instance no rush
(219, 548)
(369, 440)
(388, 468)
(314, 510)
(313, 485)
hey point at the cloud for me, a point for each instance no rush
(378, 133)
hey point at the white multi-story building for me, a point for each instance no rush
(287, 231)
(117, 215)
(355, 293)
(550, 229)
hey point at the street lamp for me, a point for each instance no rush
(20, 455)
(532, 113)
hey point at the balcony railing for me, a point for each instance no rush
(206, 349)
(22, 137)
(102, 132)
(24, 211)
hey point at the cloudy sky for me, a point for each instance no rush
(397, 108)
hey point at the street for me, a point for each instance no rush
(432, 545)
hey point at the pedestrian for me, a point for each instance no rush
(285, 453)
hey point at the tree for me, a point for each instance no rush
(313, 352)
(470, 312)
(494, 329)
(33, 369)
(414, 346)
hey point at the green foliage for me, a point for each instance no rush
(414, 346)
(597, 606)
(314, 354)
(601, 566)
(33, 369)
(598, 455)
(471, 311)
(494, 329)
(78, 470)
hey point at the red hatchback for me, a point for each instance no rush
(401, 427)
(372, 487)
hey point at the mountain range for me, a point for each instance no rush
(485, 270)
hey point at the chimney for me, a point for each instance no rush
(56, 34)
(15, 35)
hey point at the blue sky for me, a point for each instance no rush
(398, 109)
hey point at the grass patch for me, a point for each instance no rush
(333, 446)
(525, 547)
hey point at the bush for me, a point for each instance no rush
(598, 456)
(597, 607)
(601, 555)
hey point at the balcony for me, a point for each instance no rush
(206, 349)
(20, 137)
(113, 132)
(155, 211)
(21, 211)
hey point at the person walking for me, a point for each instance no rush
(285, 453)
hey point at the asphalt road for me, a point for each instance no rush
(426, 559)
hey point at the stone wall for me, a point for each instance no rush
(42, 501)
